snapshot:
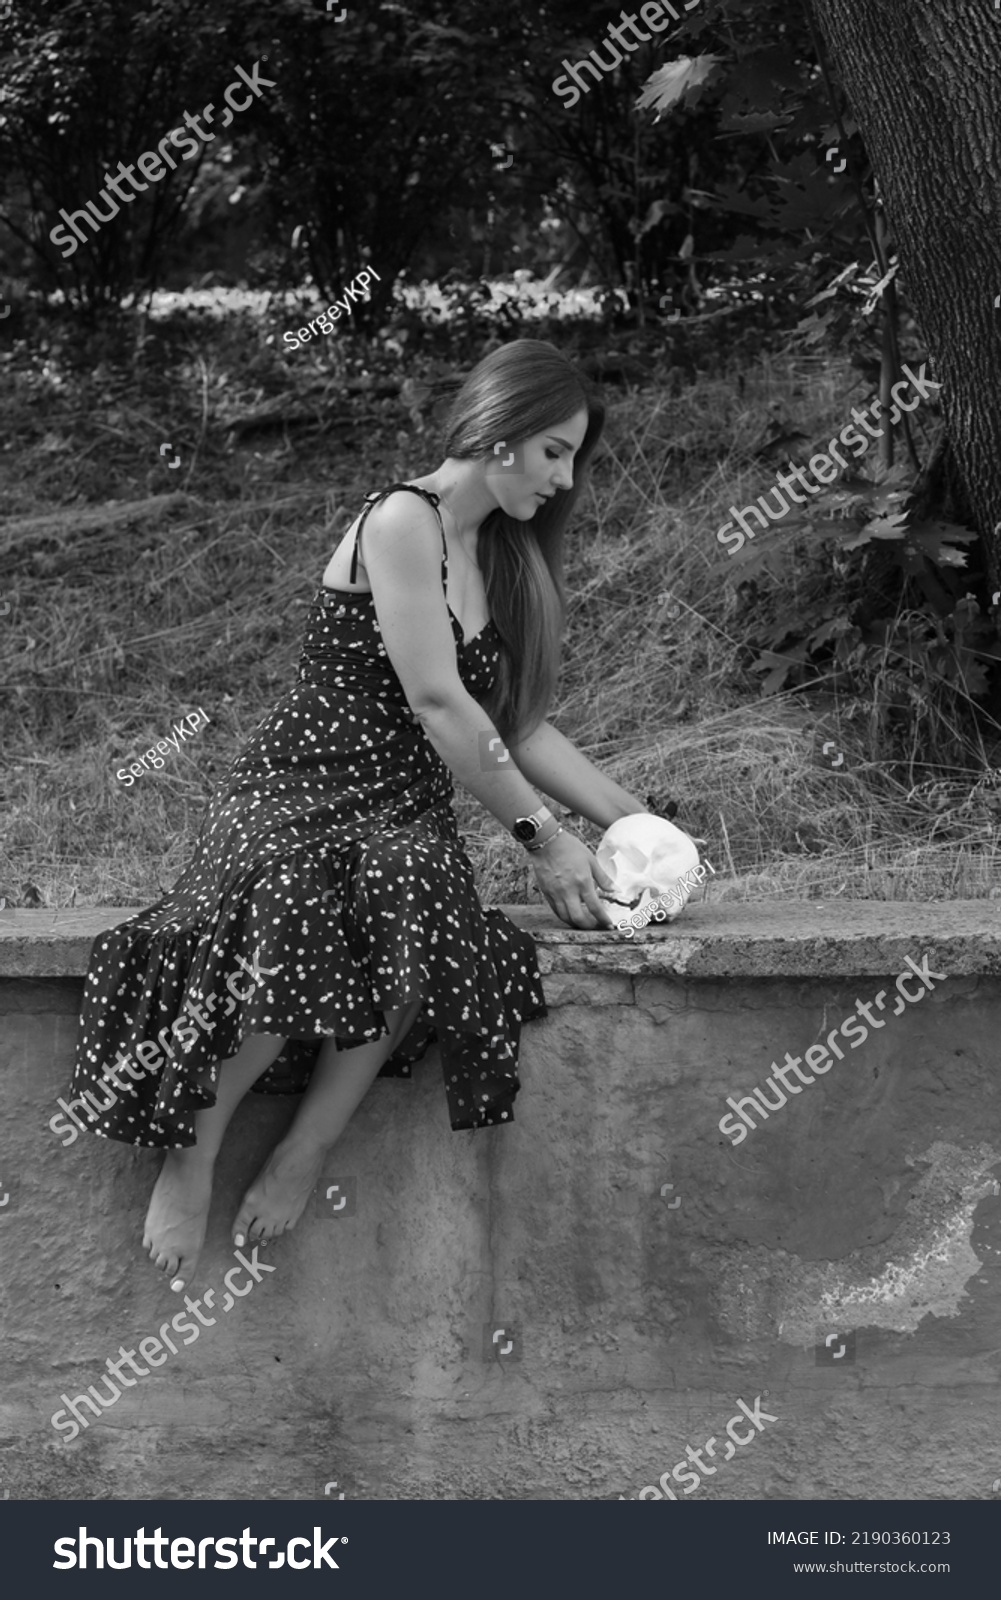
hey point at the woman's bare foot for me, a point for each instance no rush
(178, 1213)
(277, 1197)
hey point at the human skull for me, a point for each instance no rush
(646, 857)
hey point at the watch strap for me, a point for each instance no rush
(539, 818)
(537, 847)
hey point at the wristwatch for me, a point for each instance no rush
(526, 829)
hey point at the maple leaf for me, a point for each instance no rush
(892, 527)
(668, 86)
(937, 539)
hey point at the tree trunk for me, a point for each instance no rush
(923, 82)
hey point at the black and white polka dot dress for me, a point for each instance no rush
(329, 885)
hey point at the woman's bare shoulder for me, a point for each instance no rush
(402, 521)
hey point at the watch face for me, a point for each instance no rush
(525, 829)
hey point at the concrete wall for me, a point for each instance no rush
(639, 1314)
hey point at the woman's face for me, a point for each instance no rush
(525, 475)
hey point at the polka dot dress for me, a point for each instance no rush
(329, 885)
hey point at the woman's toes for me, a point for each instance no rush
(242, 1226)
(182, 1272)
(276, 1199)
(178, 1212)
(251, 1227)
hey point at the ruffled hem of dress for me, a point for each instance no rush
(477, 1034)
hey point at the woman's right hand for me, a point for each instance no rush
(569, 876)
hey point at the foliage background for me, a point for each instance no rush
(690, 243)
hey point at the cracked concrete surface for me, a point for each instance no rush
(653, 1272)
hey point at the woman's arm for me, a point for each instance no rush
(403, 561)
(554, 765)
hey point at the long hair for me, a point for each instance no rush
(524, 388)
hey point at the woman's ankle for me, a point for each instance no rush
(194, 1158)
(304, 1142)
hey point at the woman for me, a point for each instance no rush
(329, 869)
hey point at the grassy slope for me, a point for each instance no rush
(116, 631)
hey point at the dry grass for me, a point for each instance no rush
(120, 626)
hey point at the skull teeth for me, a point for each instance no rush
(645, 856)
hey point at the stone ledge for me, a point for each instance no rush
(767, 939)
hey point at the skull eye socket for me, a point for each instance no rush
(645, 857)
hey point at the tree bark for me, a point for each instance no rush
(924, 84)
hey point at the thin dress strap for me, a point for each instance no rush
(380, 494)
